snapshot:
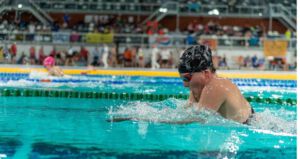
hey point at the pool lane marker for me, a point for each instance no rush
(237, 81)
(21, 92)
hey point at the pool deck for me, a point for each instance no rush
(276, 75)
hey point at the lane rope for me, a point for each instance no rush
(25, 92)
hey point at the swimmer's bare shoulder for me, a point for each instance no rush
(213, 95)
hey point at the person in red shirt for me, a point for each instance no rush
(127, 57)
(41, 55)
(32, 55)
(84, 53)
(13, 52)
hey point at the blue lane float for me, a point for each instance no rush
(139, 80)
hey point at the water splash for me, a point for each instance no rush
(278, 122)
(168, 111)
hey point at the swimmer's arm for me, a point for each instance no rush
(212, 98)
(185, 121)
(190, 101)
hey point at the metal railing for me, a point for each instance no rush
(54, 6)
(149, 8)
(65, 38)
(42, 12)
(284, 13)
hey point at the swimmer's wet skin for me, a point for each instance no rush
(207, 90)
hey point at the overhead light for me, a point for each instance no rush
(20, 5)
(163, 10)
(214, 12)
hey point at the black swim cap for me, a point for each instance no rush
(195, 59)
(182, 68)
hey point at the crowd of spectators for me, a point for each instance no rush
(112, 56)
(100, 56)
(249, 35)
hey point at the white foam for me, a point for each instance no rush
(275, 123)
(168, 111)
(172, 111)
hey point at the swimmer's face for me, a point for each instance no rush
(185, 79)
(199, 79)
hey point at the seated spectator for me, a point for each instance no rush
(83, 55)
(41, 55)
(140, 57)
(13, 52)
(240, 61)
(113, 57)
(32, 56)
(154, 57)
(105, 55)
(60, 57)
(254, 61)
(1, 54)
(165, 57)
(22, 59)
(261, 63)
(133, 57)
(69, 57)
(247, 61)
(77, 61)
(193, 6)
(127, 57)
(96, 57)
(223, 62)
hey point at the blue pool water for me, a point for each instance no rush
(42, 127)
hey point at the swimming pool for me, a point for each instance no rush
(46, 117)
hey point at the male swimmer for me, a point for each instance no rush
(207, 90)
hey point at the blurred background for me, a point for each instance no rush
(243, 34)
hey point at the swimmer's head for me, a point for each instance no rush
(183, 75)
(196, 58)
(49, 61)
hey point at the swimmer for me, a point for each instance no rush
(207, 90)
(49, 64)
